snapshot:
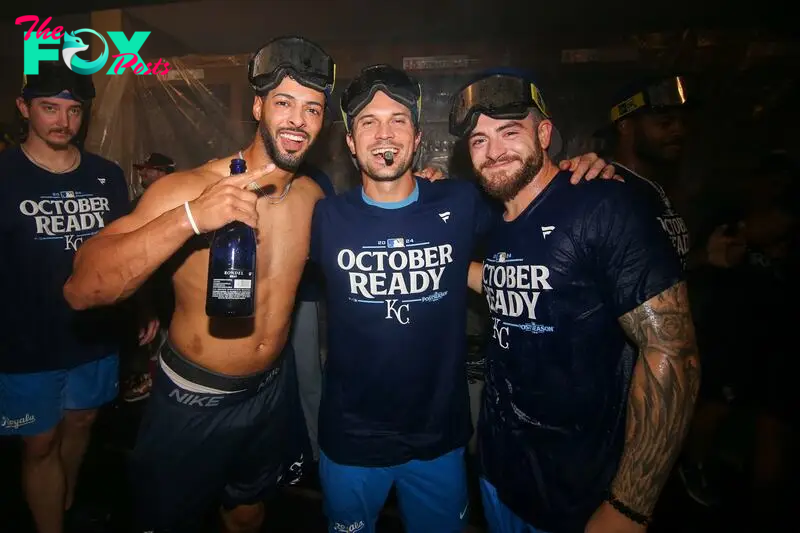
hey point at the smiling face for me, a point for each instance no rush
(290, 119)
(507, 154)
(54, 120)
(384, 125)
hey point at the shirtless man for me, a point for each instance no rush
(218, 418)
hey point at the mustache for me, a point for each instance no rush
(499, 160)
(676, 139)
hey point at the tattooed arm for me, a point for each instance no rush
(666, 378)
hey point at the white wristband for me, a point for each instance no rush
(191, 218)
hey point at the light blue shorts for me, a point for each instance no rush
(432, 495)
(32, 404)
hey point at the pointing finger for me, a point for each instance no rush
(243, 180)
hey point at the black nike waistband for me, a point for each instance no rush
(206, 378)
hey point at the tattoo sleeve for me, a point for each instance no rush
(666, 378)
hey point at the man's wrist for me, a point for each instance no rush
(622, 508)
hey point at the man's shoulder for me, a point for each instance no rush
(348, 198)
(99, 164)
(635, 182)
(10, 165)
(305, 191)
(452, 193)
(451, 185)
(187, 181)
(176, 188)
(317, 176)
(10, 156)
(590, 192)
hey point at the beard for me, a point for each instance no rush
(503, 186)
(657, 153)
(288, 162)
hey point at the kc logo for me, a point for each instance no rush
(500, 333)
(128, 56)
(72, 242)
(397, 312)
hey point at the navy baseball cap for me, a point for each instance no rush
(55, 79)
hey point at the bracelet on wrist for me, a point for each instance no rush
(636, 516)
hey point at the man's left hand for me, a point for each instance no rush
(148, 332)
(431, 174)
(588, 167)
(606, 519)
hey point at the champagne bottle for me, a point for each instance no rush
(232, 267)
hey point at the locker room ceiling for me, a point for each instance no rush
(424, 20)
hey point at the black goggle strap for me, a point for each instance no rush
(416, 107)
(266, 83)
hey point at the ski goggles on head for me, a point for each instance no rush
(394, 82)
(58, 81)
(299, 58)
(499, 96)
(669, 92)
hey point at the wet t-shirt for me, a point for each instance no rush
(44, 218)
(659, 203)
(557, 279)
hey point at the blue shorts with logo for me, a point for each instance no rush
(432, 495)
(32, 404)
(232, 444)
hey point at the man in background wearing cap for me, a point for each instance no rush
(155, 167)
(576, 434)
(137, 385)
(648, 133)
(159, 292)
(219, 421)
(57, 366)
(395, 253)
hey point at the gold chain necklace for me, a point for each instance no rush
(41, 165)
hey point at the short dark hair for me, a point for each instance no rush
(538, 116)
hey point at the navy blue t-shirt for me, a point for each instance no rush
(395, 385)
(310, 289)
(44, 218)
(557, 279)
(658, 202)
